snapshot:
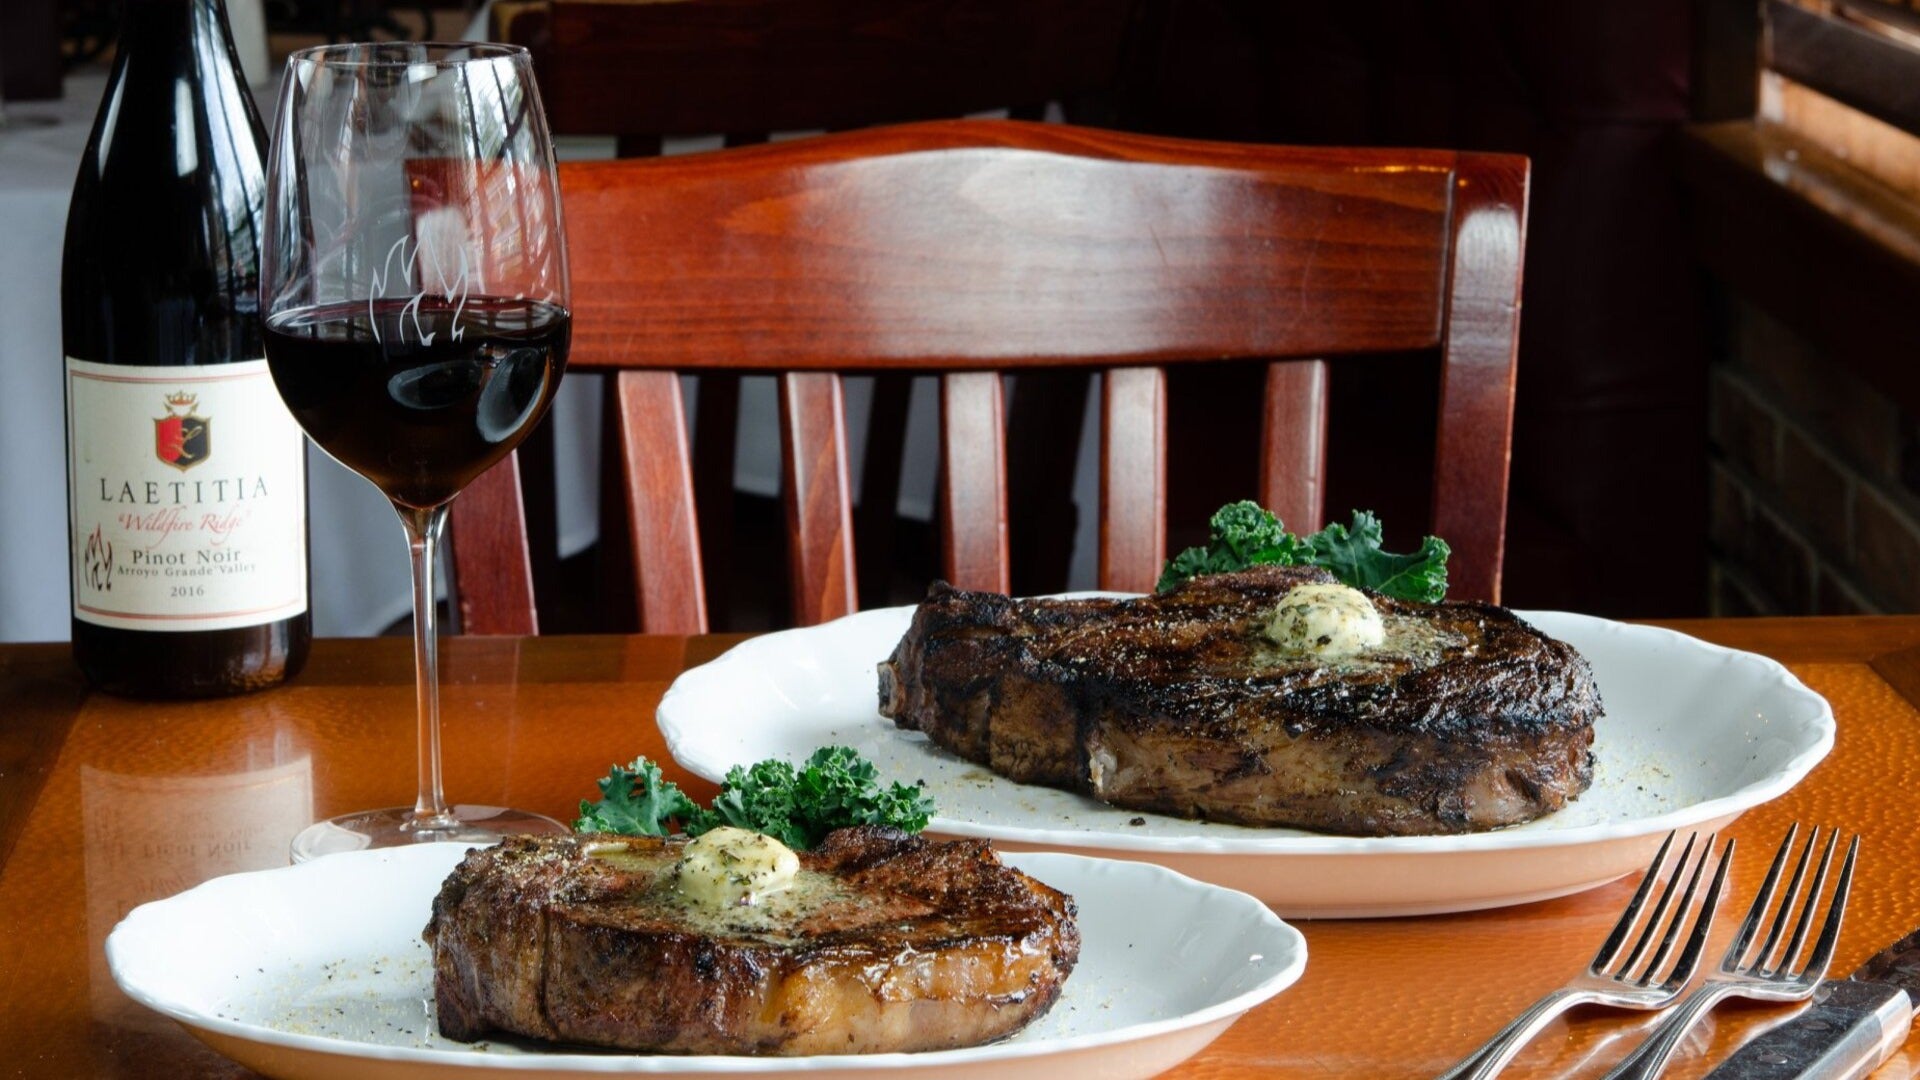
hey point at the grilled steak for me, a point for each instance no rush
(886, 942)
(1466, 718)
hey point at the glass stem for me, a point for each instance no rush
(423, 538)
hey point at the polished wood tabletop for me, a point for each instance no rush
(106, 803)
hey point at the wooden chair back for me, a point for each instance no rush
(973, 248)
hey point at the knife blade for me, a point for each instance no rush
(1852, 1026)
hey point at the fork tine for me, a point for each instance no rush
(1689, 961)
(1651, 974)
(1822, 956)
(1789, 902)
(1618, 935)
(1762, 903)
(1669, 927)
(1814, 892)
(1659, 917)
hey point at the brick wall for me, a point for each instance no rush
(1815, 482)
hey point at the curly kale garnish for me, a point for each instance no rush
(836, 788)
(760, 798)
(635, 800)
(1356, 558)
(1239, 535)
(1242, 534)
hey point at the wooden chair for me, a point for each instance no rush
(972, 248)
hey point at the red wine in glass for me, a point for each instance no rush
(419, 396)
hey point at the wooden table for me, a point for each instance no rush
(106, 803)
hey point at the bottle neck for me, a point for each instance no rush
(163, 42)
(163, 26)
(141, 18)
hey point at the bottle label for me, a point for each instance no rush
(187, 493)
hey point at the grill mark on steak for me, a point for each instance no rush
(909, 945)
(1175, 703)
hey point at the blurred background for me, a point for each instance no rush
(1716, 398)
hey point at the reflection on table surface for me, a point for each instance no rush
(105, 803)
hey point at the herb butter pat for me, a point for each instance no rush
(729, 867)
(1327, 621)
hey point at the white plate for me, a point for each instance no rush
(318, 970)
(1693, 735)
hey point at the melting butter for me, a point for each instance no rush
(731, 867)
(773, 915)
(1411, 641)
(1326, 622)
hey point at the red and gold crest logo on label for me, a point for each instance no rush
(181, 438)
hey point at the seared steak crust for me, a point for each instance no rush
(906, 945)
(1175, 703)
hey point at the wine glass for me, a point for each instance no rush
(414, 286)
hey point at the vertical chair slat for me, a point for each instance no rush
(818, 496)
(1133, 477)
(1478, 345)
(973, 481)
(1293, 444)
(492, 569)
(660, 509)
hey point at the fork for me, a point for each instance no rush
(1753, 977)
(1624, 983)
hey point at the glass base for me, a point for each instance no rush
(397, 827)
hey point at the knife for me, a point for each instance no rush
(1852, 1026)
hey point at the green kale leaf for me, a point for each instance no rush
(634, 800)
(1242, 534)
(1251, 534)
(840, 788)
(758, 798)
(836, 788)
(1355, 556)
(1239, 535)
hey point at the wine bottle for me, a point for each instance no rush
(186, 475)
